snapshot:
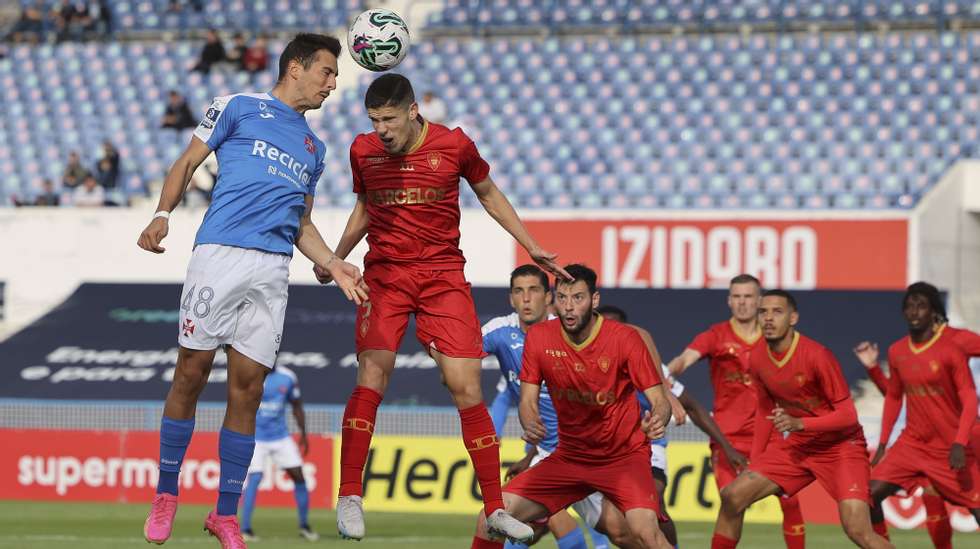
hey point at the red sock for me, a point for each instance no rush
(881, 529)
(355, 438)
(719, 541)
(794, 528)
(937, 522)
(479, 543)
(481, 442)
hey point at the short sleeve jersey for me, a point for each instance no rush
(269, 160)
(807, 382)
(412, 200)
(728, 355)
(504, 339)
(281, 387)
(930, 376)
(593, 386)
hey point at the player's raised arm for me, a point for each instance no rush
(311, 244)
(867, 354)
(501, 210)
(683, 361)
(172, 193)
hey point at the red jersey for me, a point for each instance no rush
(808, 383)
(592, 385)
(967, 341)
(728, 354)
(940, 395)
(413, 199)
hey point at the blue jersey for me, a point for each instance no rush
(503, 338)
(281, 388)
(268, 162)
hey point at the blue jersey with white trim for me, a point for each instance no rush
(503, 338)
(269, 160)
(281, 388)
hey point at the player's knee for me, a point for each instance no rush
(190, 377)
(858, 532)
(733, 501)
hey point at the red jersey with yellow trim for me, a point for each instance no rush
(413, 199)
(931, 376)
(728, 355)
(593, 386)
(807, 382)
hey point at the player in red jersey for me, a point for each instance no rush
(937, 518)
(801, 390)
(929, 368)
(728, 345)
(592, 367)
(406, 176)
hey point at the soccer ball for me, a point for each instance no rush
(378, 39)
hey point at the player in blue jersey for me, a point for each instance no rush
(503, 337)
(658, 447)
(236, 287)
(273, 443)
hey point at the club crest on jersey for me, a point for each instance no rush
(604, 364)
(434, 159)
(579, 367)
(188, 327)
(282, 390)
(800, 379)
(310, 145)
(934, 366)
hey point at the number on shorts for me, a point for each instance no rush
(204, 298)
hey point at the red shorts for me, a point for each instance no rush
(445, 317)
(908, 461)
(557, 482)
(843, 469)
(724, 471)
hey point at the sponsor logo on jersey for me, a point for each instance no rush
(212, 114)
(409, 195)
(293, 167)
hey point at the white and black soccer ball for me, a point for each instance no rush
(378, 39)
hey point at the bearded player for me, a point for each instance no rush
(727, 345)
(406, 176)
(593, 368)
(801, 391)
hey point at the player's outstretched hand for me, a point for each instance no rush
(957, 457)
(736, 458)
(534, 431)
(867, 353)
(653, 427)
(547, 261)
(153, 235)
(785, 423)
(348, 279)
(879, 453)
(676, 408)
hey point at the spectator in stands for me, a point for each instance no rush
(89, 195)
(105, 175)
(48, 196)
(177, 115)
(104, 23)
(72, 20)
(74, 173)
(110, 154)
(32, 23)
(177, 6)
(236, 55)
(432, 108)
(213, 52)
(256, 58)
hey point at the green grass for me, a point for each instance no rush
(99, 526)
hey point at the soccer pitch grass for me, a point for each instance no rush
(97, 526)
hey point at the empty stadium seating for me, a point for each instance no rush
(845, 120)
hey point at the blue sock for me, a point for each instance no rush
(573, 540)
(512, 545)
(598, 540)
(302, 503)
(175, 436)
(251, 493)
(235, 452)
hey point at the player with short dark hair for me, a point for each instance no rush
(727, 345)
(406, 176)
(930, 370)
(801, 391)
(592, 367)
(237, 281)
